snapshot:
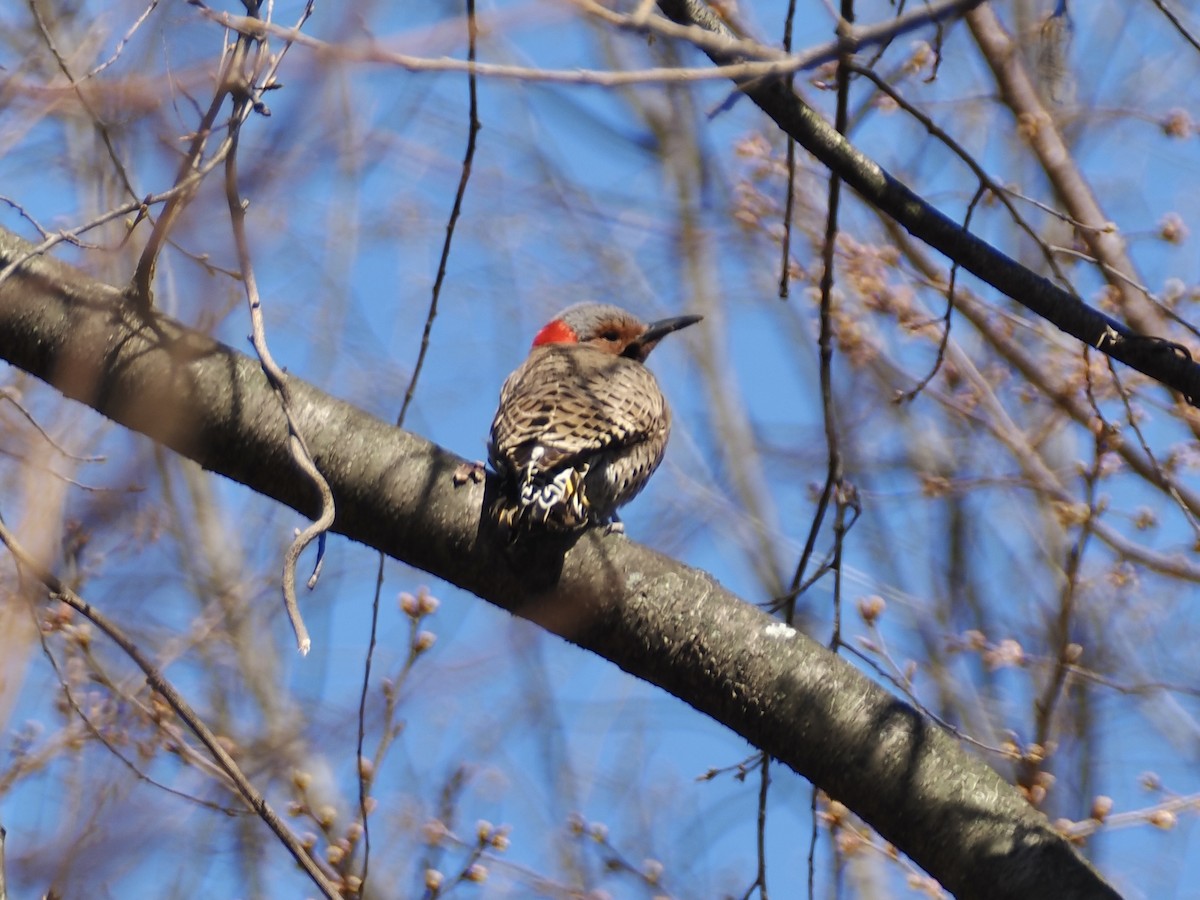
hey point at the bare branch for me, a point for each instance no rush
(774, 63)
(1162, 360)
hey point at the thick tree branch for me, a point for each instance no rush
(659, 620)
(1161, 360)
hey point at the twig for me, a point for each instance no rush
(775, 62)
(1020, 94)
(187, 177)
(996, 333)
(464, 176)
(231, 81)
(985, 180)
(834, 472)
(70, 235)
(760, 830)
(10, 395)
(97, 121)
(946, 318)
(24, 214)
(1142, 289)
(138, 22)
(365, 777)
(1060, 629)
(278, 379)
(240, 84)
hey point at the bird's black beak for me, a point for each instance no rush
(640, 346)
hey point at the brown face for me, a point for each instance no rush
(614, 335)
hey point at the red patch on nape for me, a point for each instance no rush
(557, 332)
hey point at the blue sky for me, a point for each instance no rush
(350, 181)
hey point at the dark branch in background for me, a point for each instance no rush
(1177, 24)
(663, 622)
(789, 200)
(1162, 360)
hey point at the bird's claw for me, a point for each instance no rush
(469, 471)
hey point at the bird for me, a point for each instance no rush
(581, 424)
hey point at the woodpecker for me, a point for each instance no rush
(581, 424)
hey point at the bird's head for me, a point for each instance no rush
(609, 328)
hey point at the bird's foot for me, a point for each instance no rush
(614, 526)
(469, 471)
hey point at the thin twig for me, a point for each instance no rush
(946, 317)
(128, 36)
(995, 330)
(70, 235)
(464, 176)
(1158, 302)
(243, 91)
(1019, 92)
(24, 214)
(825, 348)
(365, 777)
(774, 62)
(1045, 704)
(231, 81)
(187, 177)
(760, 824)
(10, 395)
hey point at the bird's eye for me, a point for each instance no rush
(611, 335)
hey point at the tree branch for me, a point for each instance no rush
(1162, 360)
(668, 624)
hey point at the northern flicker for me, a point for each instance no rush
(582, 424)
